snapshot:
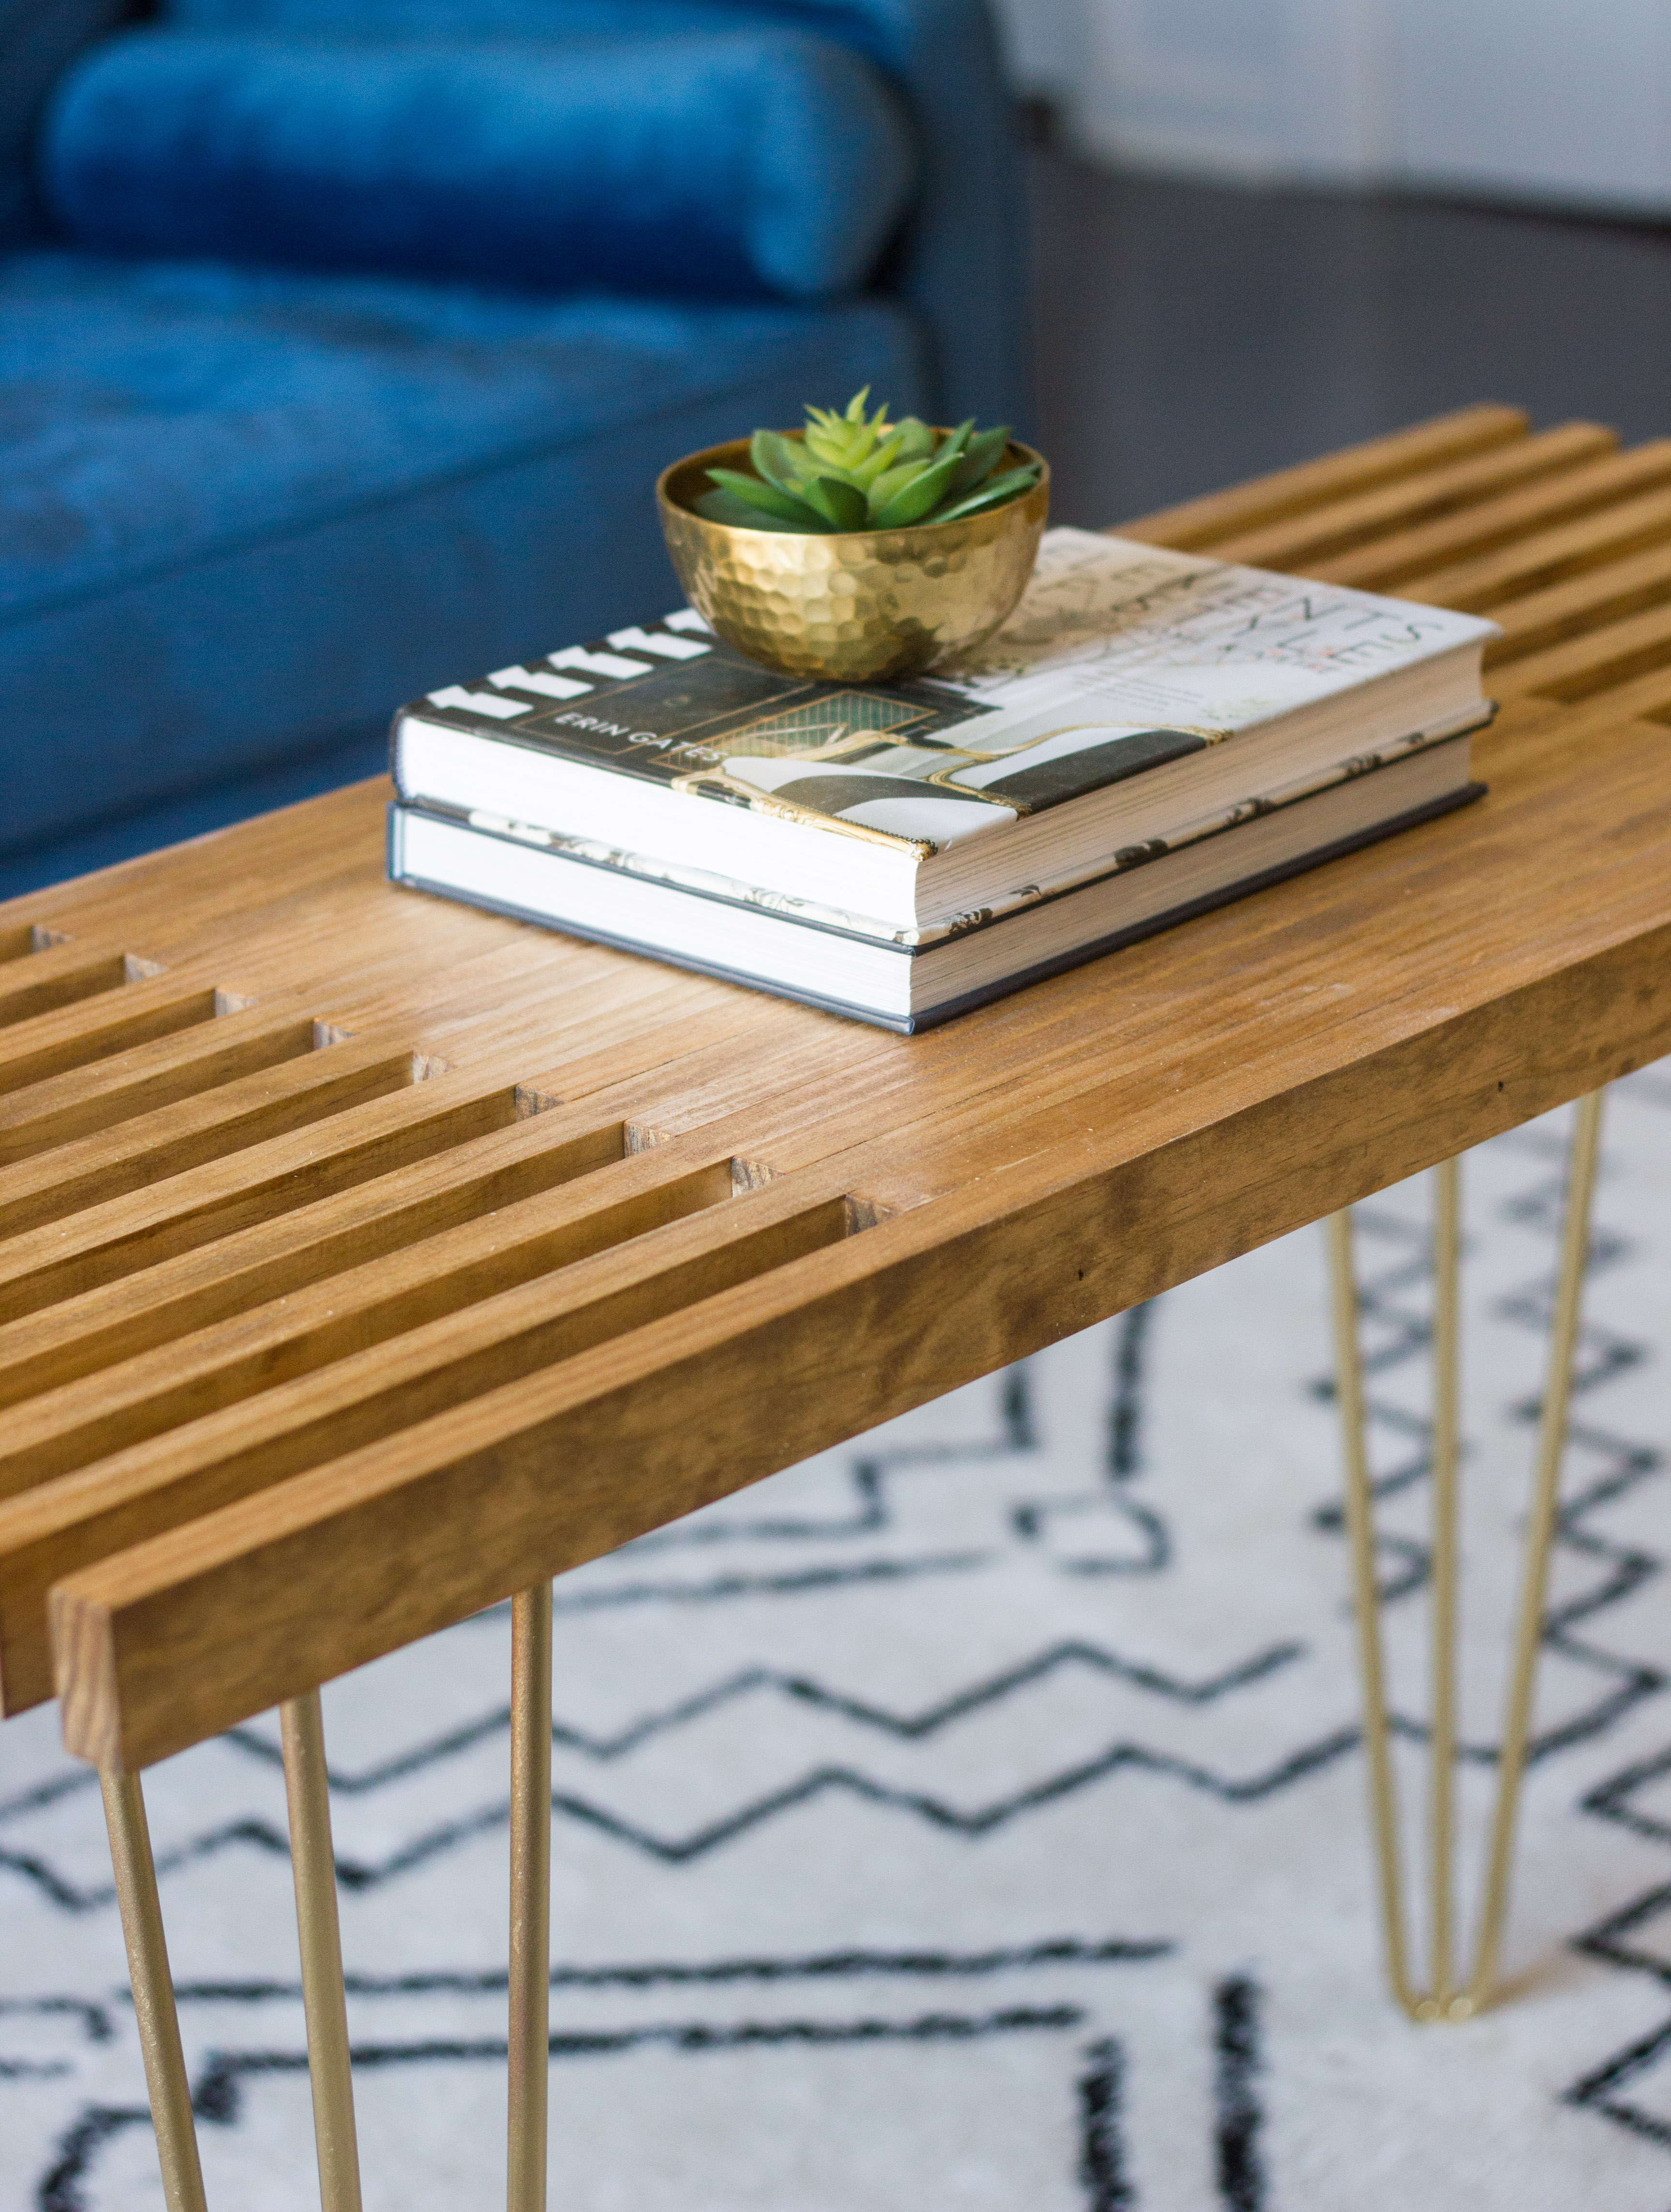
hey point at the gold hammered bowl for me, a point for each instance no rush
(858, 605)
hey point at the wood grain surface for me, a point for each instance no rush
(364, 1259)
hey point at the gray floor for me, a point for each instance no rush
(1190, 334)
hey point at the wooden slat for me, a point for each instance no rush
(63, 977)
(334, 1360)
(253, 1443)
(151, 1147)
(63, 1043)
(1546, 558)
(341, 1309)
(408, 1179)
(224, 1241)
(180, 1064)
(1199, 524)
(116, 1238)
(439, 1027)
(1391, 563)
(1373, 516)
(1602, 660)
(183, 1032)
(1622, 585)
(21, 939)
(182, 1635)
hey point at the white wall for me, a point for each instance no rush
(1244, 88)
(1566, 101)
(1042, 39)
(1558, 98)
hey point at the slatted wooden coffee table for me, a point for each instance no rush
(367, 1261)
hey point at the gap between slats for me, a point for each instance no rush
(347, 1295)
(23, 937)
(1504, 522)
(147, 1488)
(268, 1185)
(1336, 529)
(75, 1037)
(232, 1117)
(1618, 586)
(1602, 660)
(67, 977)
(1542, 558)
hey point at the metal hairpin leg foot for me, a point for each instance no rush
(324, 1999)
(153, 1993)
(531, 1897)
(1449, 1997)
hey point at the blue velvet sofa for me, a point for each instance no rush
(341, 340)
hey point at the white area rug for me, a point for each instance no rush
(968, 1820)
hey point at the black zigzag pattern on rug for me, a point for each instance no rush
(1031, 1522)
(358, 1873)
(1392, 1307)
(1604, 2089)
(1104, 2170)
(218, 2090)
(1400, 1331)
(1622, 1465)
(1103, 1527)
(225, 2072)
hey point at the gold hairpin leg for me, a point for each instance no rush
(314, 1864)
(531, 1897)
(153, 1993)
(1445, 1998)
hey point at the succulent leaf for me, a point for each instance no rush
(889, 482)
(917, 499)
(981, 457)
(756, 493)
(737, 514)
(855, 470)
(845, 442)
(829, 451)
(864, 473)
(993, 493)
(779, 460)
(842, 504)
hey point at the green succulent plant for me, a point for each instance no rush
(859, 471)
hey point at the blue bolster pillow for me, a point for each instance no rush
(728, 164)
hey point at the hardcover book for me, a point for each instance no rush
(1149, 734)
(1133, 689)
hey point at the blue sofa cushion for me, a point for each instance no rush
(244, 513)
(731, 164)
(39, 40)
(959, 261)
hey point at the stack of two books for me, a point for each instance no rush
(1151, 734)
